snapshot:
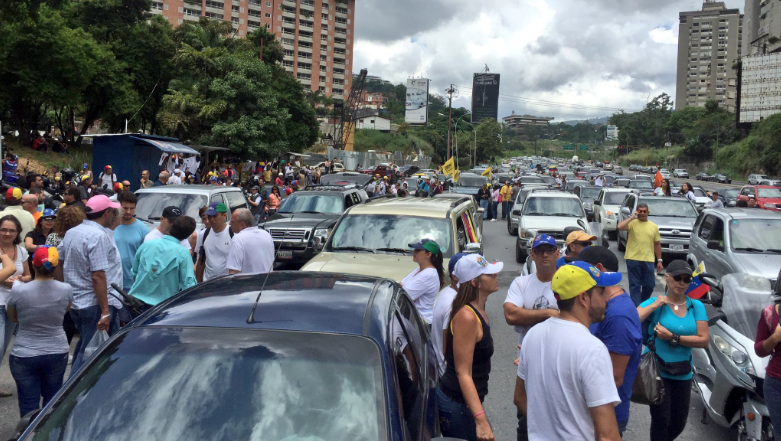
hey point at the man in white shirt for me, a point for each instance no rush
(599, 181)
(170, 214)
(176, 178)
(565, 382)
(252, 249)
(442, 307)
(107, 178)
(213, 255)
(530, 299)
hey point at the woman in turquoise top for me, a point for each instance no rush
(676, 324)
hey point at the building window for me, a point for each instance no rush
(268, 4)
(324, 17)
(303, 76)
(322, 79)
(213, 15)
(338, 91)
(268, 15)
(253, 13)
(289, 41)
(235, 8)
(307, 66)
(253, 23)
(254, 3)
(215, 5)
(157, 5)
(192, 12)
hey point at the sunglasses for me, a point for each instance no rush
(542, 251)
(682, 278)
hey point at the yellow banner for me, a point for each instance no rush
(456, 175)
(487, 172)
(448, 167)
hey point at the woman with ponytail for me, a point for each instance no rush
(468, 350)
(423, 283)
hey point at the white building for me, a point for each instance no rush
(373, 122)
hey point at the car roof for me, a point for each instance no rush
(290, 300)
(618, 190)
(426, 207)
(553, 194)
(194, 189)
(745, 213)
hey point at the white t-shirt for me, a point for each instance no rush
(251, 252)
(175, 180)
(658, 191)
(108, 180)
(442, 307)
(157, 234)
(21, 257)
(422, 287)
(566, 371)
(528, 292)
(217, 246)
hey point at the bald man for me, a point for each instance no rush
(30, 205)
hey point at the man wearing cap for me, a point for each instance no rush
(752, 202)
(90, 264)
(129, 235)
(256, 203)
(107, 178)
(13, 200)
(530, 300)
(716, 202)
(85, 188)
(170, 214)
(442, 307)
(576, 242)
(176, 178)
(162, 268)
(619, 331)
(371, 188)
(213, 255)
(565, 382)
(643, 248)
(252, 249)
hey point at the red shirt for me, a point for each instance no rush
(768, 321)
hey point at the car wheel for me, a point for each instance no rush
(613, 235)
(621, 246)
(510, 229)
(520, 256)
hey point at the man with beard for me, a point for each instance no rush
(564, 372)
(129, 235)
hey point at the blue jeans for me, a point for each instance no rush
(86, 320)
(36, 377)
(455, 419)
(622, 428)
(505, 209)
(494, 210)
(484, 206)
(772, 389)
(7, 328)
(642, 279)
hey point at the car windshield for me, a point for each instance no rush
(614, 198)
(207, 383)
(698, 192)
(640, 184)
(589, 193)
(532, 180)
(337, 179)
(302, 202)
(542, 206)
(375, 232)
(150, 205)
(773, 193)
(755, 235)
(731, 193)
(670, 207)
(472, 181)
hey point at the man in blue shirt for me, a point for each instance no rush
(129, 235)
(619, 331)
(163, 267)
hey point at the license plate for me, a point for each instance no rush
(676, 247)
(284, 254)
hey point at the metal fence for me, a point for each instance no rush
(368, 159)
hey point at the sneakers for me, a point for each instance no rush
(493, 220)
(5, 394)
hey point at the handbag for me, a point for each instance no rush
(648, 387)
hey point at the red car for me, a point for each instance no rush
(768, 198)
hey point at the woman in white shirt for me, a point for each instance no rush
(686, 191)
(664, 189)
(424, 283)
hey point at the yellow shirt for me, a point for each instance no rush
(507, 193)
(640, 241)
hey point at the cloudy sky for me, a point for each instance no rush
(611, 54)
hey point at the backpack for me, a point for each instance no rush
(113, 181)
(202, 251)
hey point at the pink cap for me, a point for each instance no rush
(99, 203)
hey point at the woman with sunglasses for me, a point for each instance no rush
(273, 200)
(676, 324)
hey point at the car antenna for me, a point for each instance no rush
(251, 318)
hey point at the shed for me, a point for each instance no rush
(131, 153)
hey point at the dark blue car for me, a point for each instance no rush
(314, 356)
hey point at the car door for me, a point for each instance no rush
(235, 200)
(600, 208)
(629, 202)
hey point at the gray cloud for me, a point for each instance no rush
(386, 21)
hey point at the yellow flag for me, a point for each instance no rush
(456, 175)
(487, 172)
(448, 167)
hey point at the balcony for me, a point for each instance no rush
(306, 25)
(289, 14)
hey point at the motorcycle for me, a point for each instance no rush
(728, 375)
(593, 228)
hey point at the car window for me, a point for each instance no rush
(755, 235)
(705, 228)
(236, 200)
(614, 198)
(218, 383)
(150, 205)
(549, 206)
(405, 347)
(303, 202)
(373, 232)
(671, 207)
(772, 193)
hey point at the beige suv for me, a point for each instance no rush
(373, 239)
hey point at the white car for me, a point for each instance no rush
(680, 173)
(606, 207)
(338, 167)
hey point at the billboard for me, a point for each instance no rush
(417, 101)
(612, 133)
(485, 96)
(760, 87)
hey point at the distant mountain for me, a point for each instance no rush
(600, 120)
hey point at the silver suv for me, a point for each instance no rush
(189, 199)
(680, 173)
(549, 212)
(751, 243)
(515, 213)
(674, 216)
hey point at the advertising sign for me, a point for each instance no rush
(485, 96)
(417, 101)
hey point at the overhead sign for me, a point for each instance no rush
(569, 146)
(485, 96)
(584, 147)
(417, 101)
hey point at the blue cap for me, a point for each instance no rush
(453, 261)
(85, 166)
(600, 278)
(543, 239)
(49, 213)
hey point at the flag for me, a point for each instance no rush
(449, 167)
(697, 289)
(658, 179)
(456, 175)
(487, 172)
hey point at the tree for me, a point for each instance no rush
(489, 145)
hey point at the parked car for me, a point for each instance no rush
(770, 182)
(469, 184)
(618, 170)
(680, 173)
(702, 176)
(606, 207)
(721, 178)
(548, 212)
(212, 361)
(189, 199)
(674, 216)
(337, 166)
(729, 196)
(515, 214)
(738, 240)
(373, 239)
(587, 194)
(768, 198)
(755, 178)
(304, 220)
(383, 170)
(640, 184)
(346, 178)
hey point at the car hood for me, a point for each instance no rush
(391, 266)
(673, 222)
(764, 265)
(769, 200)
(299, 220)
(612, 208)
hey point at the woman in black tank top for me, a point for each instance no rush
(468, 350)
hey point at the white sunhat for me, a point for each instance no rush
(473, 266)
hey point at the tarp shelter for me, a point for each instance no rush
(131, 153)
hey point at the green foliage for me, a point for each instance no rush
(367, 139)
(489, 146)
(740, 158)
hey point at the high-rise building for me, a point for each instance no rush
(762, 27)
(316, 35)
(709, 43)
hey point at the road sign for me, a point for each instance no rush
(668, 144)
(584, 147)
(569, 146)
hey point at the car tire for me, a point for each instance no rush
(510, 229)
(613, 235)
(621, 246)
(520, 256)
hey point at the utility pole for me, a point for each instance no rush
(450, 92)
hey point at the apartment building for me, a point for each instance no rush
(761, 27)
(519, 122)
(709, 43)
(316, 35)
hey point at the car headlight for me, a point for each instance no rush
(320, 236)
(610, 215)
(735, 353)
(769, 205)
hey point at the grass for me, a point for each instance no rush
(651, 156)
(32, 160)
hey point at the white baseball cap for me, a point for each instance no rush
(473, 266)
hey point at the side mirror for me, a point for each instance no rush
(473, 248)
(24, 422)
(625, 211)
(714, 245)
(517, 211)
(481, 210)
(597, 203)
